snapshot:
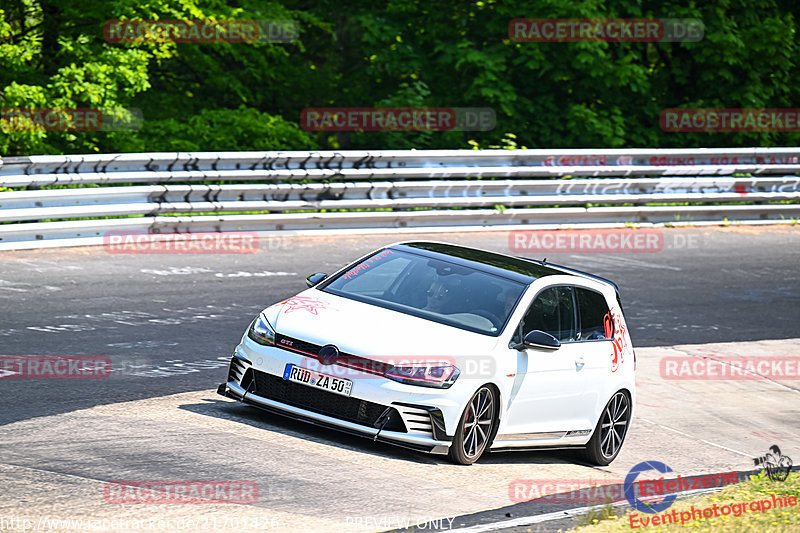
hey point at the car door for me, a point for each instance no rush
(549, 394)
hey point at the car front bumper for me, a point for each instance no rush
(422, 427)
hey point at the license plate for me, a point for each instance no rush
(313, 378)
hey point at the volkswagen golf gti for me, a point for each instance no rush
(449, 350)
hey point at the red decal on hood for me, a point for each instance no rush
(303, 303)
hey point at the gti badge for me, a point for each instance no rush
(328, 354)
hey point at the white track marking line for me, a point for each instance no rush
(696, 438)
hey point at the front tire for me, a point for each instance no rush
(476, 427)
(606, 442)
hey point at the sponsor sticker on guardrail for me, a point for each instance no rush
(223, 242)
(398, 119)
(180, 492)
(655, 159)
(729, 368)
(55, 367)
(612, 30)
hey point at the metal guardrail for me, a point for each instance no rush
(338, 160)
(388, 189)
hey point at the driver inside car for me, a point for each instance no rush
(440, 296)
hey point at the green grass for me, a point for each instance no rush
(759, 488)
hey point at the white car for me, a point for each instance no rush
(449, 350)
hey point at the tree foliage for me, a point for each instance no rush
(392, 53)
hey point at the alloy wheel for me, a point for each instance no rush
(478, 422)
(614, 424)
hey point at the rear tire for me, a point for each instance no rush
(476, 427)
(606, 442)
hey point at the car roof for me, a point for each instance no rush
(516, 268)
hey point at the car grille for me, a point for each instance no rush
(323, 402)
(296, 345)
(345, 359)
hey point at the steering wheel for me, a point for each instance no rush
(494, 319)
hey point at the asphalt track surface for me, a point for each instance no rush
(169, 323)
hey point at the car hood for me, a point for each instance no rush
(367, 330)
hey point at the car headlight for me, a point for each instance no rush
(261, 331)
(437, 375)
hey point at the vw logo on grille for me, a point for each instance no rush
(328, 354)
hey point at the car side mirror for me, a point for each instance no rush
(314, 279)
(541, 339)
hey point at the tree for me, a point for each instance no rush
(395, 53)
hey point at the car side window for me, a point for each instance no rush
(595, 322)
(553, 312)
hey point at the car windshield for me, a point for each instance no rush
(431, 288)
